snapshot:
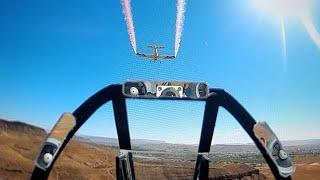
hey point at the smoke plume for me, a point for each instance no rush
(179, 24)
(126, 9)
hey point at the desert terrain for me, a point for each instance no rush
(307, 167)
(20, 143)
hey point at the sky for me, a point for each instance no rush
(56, 54)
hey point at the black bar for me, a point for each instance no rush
(247, 122)
(130, 158)
(82, 113)
(197, 168)
(121, 167)
(207, 130)
(121, 118)
(124, 167)
(209, 122)
(202, 167)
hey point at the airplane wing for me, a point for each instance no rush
(166, 57)
(146, 55)
(156, 47)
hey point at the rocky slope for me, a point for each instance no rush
(21, 127)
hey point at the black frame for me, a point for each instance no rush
(216, 98)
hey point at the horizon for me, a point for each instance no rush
(159, 141)
(54, 55)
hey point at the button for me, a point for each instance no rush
(47, 158)
(283, 155)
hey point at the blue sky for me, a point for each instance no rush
(55, 54)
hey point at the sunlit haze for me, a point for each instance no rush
(283, 9)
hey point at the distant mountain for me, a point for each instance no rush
(170, 147)
(21, 127)
(298, 142)
(113, 141)
(301, 142)
(6, 125)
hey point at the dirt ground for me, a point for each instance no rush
(89, 161)
(307, 168)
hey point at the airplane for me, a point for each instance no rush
(155, 56)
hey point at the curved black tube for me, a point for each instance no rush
(246, 121)
(219, 97)
(82, 113)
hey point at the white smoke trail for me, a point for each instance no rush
(128, 18)
(179, 24)
(311, 30)
(284, 44)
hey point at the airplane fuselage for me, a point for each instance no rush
(155, 54)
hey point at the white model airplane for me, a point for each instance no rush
(155, 56)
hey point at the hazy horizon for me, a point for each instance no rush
(157, 140)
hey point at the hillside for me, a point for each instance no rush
(20, 143)
(19, 146)
(22, 127)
